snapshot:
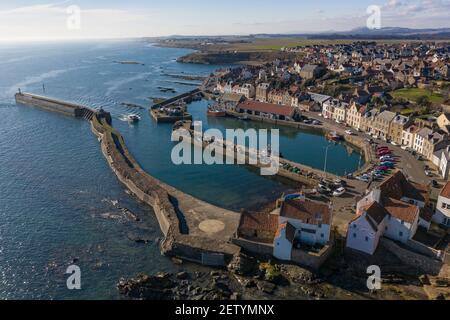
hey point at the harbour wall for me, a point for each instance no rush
(173, 209)
(355, 141)
(54, 105)
(170, 101)
(205, 249)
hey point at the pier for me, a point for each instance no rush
(55, 105)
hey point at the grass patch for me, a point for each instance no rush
(413, 94)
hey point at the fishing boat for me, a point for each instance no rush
(334, 136)
(216, 111)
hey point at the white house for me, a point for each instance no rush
(392, 210)
(284, 242)
(442, 215)
(421, 138)
(365, 231)
(311, 220)
(409, 136)
(444, 167)
(247, 90)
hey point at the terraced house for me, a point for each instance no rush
(398, 125)
(355, 114)
(382, 125)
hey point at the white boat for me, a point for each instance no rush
(133, 118)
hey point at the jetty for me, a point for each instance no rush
(173, 109)
(193, 230)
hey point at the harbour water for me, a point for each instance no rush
(60, 204)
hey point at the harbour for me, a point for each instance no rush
(58, 143)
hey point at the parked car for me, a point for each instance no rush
(428, 173)
(349, 132)
(435, 184)
(384, 153)
(339, 192)
(383, 168)
(364, 178)
(388, 164)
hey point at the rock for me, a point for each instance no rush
(266, 287)
(242, 264)
(148, 287)
(182, 275)
(234, 296)
(177, 261)
(249, 284)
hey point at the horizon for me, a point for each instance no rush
(35, 20)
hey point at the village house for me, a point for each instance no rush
(443, 122)
(302, 222)
(354, 115)
(421, 136)
(382, 124)
(442, 216)
(257, 226)
(247, 90)
(444, 167)
(310, 71)
(340, 112)
(428, 142)
(398, 125)
(268, 110)
(319, 98)
(367, 121)
(275, 97)
(393, 210)
(409, 136)
(262, 92)
(298, 230)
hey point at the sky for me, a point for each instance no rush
(92, 19)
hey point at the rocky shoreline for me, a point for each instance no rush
(249, 278)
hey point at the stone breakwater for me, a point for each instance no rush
(193, 230)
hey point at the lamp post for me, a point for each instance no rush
(326, 160)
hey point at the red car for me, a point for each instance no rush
(384, 153)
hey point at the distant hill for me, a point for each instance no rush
(387, 33)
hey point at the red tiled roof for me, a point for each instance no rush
(426, 214)
(446, 191)
(259, 221)
(267, 108)
(397, 187)
(310, 212)
(401, 210)
(290, 231)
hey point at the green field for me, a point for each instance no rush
(413, 94)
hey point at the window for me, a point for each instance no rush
(401, 234)
(386, 228)
(354, 226)
(354, 235)
(322, 235)
(367, 239)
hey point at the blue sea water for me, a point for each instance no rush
(59, 201)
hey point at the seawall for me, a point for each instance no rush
(54, 105)
(194, 230)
